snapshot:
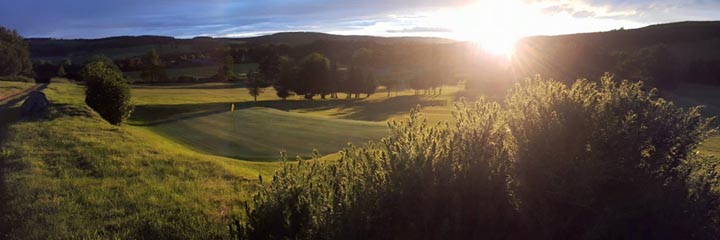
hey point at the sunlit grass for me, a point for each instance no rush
(8, 88)
(78, 176)
(262, 133)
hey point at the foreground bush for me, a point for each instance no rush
(107, 92)
(589, 161)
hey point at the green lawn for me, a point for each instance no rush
(261, 133)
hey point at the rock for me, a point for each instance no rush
(35, 105)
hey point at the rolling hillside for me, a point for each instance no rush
(75, 176)
(691, 51)
(130, 46)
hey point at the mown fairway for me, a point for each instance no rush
(261, 133)
(198, 116)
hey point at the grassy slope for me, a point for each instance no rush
(8, 88)
(261, 133)
(73, 175)
(688, 95)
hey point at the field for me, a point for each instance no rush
(198, 72)
(185, 162)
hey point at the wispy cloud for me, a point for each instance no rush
(92, 18)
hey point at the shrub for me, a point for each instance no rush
(107, 92)
(604, 161)
(589, 161)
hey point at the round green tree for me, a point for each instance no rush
(107, 91)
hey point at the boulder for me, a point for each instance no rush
(35, 105)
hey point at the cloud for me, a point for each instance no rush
(583, 14)
(93, 18)
(420, 30)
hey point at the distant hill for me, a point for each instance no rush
(669, 33)
(49, 48)
(659, 54)
(302, 38)
(692, 50)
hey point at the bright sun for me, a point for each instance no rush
(495, 25)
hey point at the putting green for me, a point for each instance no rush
(261, 133)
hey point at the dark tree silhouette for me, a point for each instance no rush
(153, 69)
(14, 54)
(312, 76)
(255, 84)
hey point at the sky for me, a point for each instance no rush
(456, 19)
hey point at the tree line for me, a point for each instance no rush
(316, 75)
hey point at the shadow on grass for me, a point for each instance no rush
(9, 114)
(354, 109)
(196, 86)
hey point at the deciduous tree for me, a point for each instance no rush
(14, 54)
